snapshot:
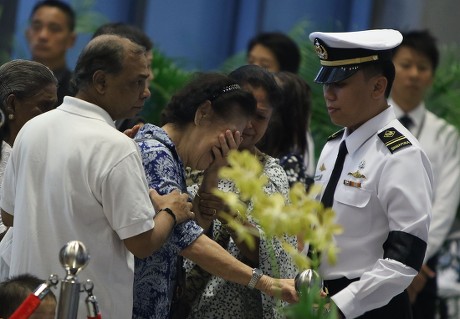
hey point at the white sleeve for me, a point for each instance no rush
(405, 194)
(447, 195)
(126, 201)
(8, 188)
(375, 288)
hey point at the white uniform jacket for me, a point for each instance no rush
(383, 202)
(441, 142)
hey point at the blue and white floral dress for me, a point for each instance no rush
(155, 276)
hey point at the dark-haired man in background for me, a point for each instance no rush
(416, 60)
(49, 35)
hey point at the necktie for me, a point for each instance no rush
(406, 121)
(328, 196)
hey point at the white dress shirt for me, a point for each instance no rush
(441, 142)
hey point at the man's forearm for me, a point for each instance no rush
(145, 244)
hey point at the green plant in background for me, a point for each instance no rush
(88, 20)
(168, 77)
(233, 62)
(444, 96)
(303, 217)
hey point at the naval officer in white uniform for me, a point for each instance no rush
(374, 175)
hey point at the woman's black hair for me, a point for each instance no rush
(224, 93)
(258, 77)
(285, 50)
(287, 131)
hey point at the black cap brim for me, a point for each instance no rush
(333, 74)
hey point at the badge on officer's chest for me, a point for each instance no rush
(357, 174)
(322, 168)
(358, 177)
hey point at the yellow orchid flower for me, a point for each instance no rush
(303, 214)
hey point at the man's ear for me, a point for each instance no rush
(380, 85)
(100, 81)
(203, 113)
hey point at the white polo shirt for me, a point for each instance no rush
(73, 176)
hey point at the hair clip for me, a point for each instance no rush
(226, 89)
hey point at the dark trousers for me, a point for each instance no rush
(424, 306)
(398, 307)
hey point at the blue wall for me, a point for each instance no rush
(202, 34)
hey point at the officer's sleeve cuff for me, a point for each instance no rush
(344, 300)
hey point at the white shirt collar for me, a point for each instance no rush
(86, 109)
(416, 115)
(368, 129)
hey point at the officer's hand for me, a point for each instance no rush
(419, 282)
(176, 201)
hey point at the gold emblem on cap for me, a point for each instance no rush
(322, 167)
(389, 133)
(320, 51)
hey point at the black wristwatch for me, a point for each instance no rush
(256, 275)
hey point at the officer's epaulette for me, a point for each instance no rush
(336, 135)
(393, 139)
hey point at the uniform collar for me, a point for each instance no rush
(359, 136)
(85, 109)
(416, 115)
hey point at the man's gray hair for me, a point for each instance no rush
(105, 52)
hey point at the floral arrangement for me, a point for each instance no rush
(303, 217)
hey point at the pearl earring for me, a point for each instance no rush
(10, 116)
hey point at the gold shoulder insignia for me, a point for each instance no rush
(393, 139)
(336, 135)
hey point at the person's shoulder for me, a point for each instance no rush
(440, 126)
(269, 162)
(271, 165)
(40, 123)
(275, 173)
(120, 143)
(395, 139)
(336, 135)
(152, 136)
(291, 157)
